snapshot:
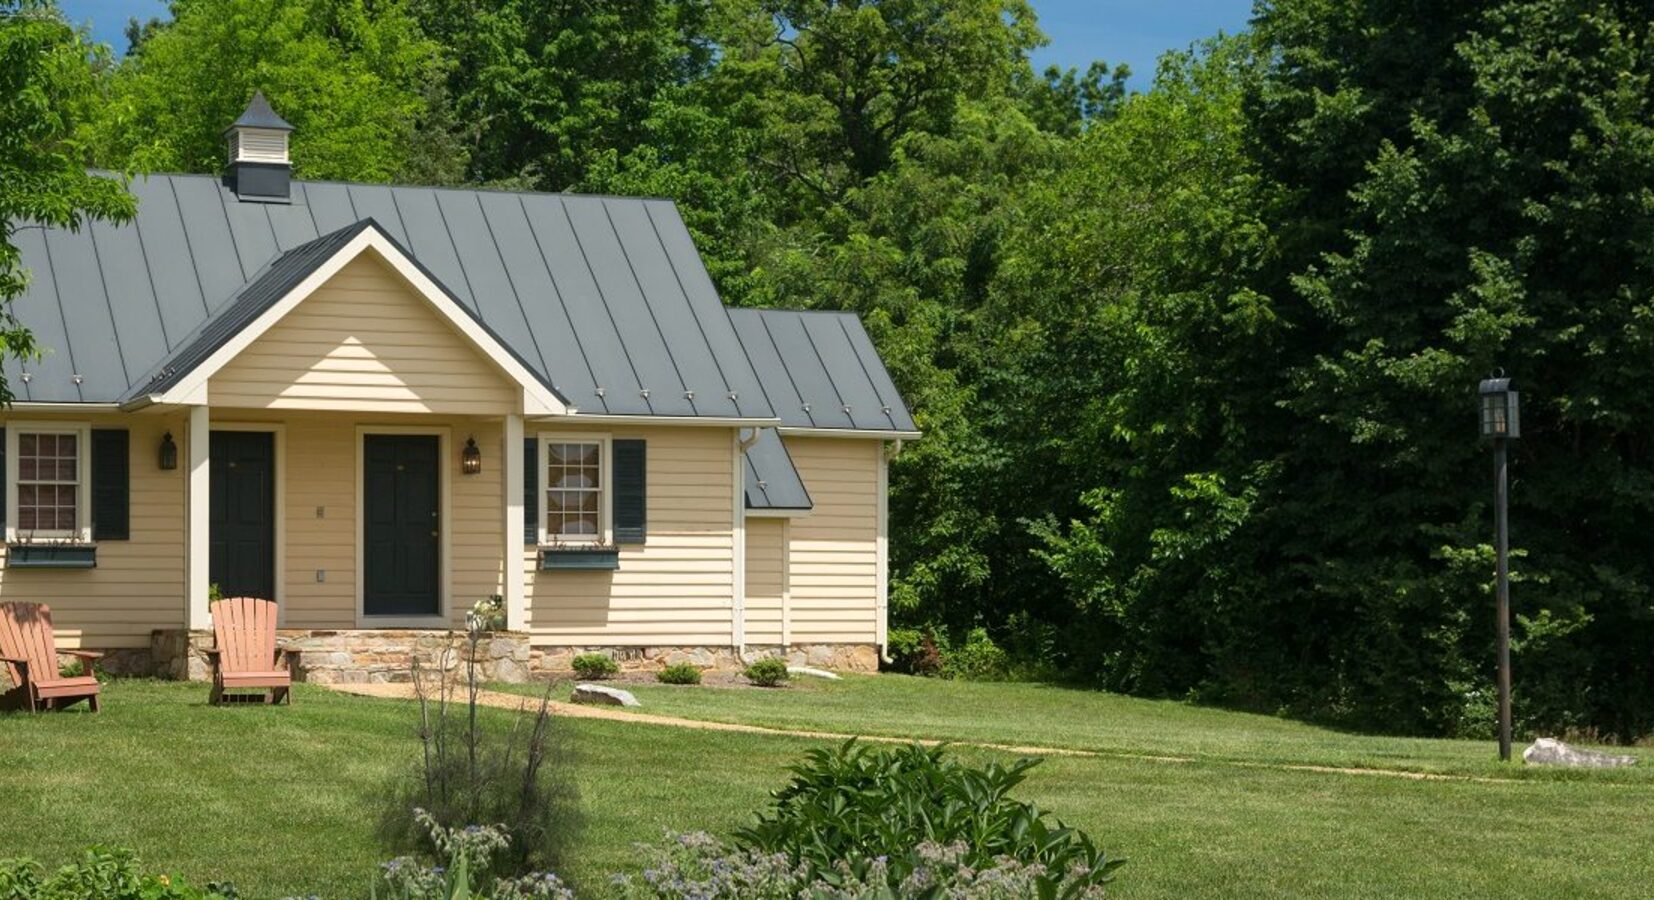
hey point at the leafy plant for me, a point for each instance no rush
(853, 806)
(767, 672)
(465, 854)
(977, 659)
(592, 666)
(102, 873)
(487, 614)
(679, 673)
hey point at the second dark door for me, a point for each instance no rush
(241, 525)
(401, 519)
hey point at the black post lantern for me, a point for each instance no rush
(470, 459)
(169, 453)
(1501, 422)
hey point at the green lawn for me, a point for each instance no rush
(283, 800)
(1048, 716)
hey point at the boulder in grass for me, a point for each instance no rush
(603, 695)
(812, 672)
(1552, 752)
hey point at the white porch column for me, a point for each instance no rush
(200, 430)
(516, 612)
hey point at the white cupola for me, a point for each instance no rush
(260, 168)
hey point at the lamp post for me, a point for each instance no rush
(1501, 422)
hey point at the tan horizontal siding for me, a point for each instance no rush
(832, 553)
(679, 586)
(138, 584)
(766, 580)
(363, 341)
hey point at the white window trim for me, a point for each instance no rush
(605, 463)
(83, 486)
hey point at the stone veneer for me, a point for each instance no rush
(376, 657)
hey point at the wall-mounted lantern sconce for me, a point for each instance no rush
(470, 459)
(169, 453)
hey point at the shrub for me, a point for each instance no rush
(679, 673)
(915, 652)
(464, 854)
(100, 874)
(699, 867)
(592, 666)
(854, 805)
(768, 672)
(468, 774)
(978, 659)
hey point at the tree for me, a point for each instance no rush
(47, 82)
(359, 80)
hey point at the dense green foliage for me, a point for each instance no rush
(767, 672)
(1195, 366)
(592, 666)
(679, 673)
(100, 874)
(854, 804)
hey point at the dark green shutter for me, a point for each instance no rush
(111, 484)
(631, 488)
(531, 491)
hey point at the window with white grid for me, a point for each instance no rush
(574, 491)
(48, 482)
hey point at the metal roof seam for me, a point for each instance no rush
(149, 274)
(838, 395)
(885, 407)
(235, 249)
(308, 209)
(677, 371)
(694, 314)
(608, 310)
(183, 230)
(68, 345)
(768, 400)
(762, 323)
(108, 303)
(459, 261)
(540, 249)
(516, 296)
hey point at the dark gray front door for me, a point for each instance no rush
(241, 525)
(400, 525)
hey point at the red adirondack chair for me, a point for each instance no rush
(247, 655)
(30, 655)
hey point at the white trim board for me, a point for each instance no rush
(537, 399)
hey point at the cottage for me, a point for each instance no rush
(378, 405)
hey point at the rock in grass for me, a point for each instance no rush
(1552, 752)
(603, 695)
(813, 673)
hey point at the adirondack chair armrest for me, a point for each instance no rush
(291, 655)
(87, 655)
(211, 651)
(14, 660)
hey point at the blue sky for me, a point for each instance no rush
(1134, 32)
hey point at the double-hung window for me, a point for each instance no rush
(47, 472)
(575, 493)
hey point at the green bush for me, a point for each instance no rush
(978, 659)
(100, 874)
(593, 666)
(679, 673)
(851, 807)
(768, 672)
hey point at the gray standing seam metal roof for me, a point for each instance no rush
(772, 480)
(820, 370)
(604, 298)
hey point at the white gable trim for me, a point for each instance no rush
(538, 400)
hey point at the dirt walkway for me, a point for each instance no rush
(503, 700)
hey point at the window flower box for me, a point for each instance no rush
(580, 558)
(51, 556)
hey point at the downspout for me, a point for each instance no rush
(738, 519)
(882, 633)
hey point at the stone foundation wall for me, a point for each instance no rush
(377, 657)
(841, 657)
